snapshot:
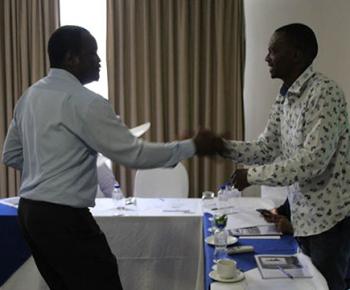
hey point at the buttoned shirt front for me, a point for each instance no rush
(306, 146)
(57, 130)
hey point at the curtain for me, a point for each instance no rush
(25, 27)
(178, 64)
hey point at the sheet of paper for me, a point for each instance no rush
(245, 218)
(270, 230)
(281, 266)
(147, 207)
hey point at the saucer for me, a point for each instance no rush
(230, 240)
(215, 276)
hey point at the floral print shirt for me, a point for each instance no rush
(306, 146)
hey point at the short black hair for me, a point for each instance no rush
(301, 37)
(64, 39)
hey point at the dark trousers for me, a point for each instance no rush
(330, 253)
(68, 247)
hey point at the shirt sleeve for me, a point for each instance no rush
(324, 126)
(12, 154)
(106, 133)
(265, 149)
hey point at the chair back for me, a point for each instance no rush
(162, 182)
(105, 176)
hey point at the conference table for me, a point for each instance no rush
(158, 243)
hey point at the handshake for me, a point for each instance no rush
(208, 143)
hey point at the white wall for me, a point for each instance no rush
(331, 23)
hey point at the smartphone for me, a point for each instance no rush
(264, 212)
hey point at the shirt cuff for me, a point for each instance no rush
(188, 148)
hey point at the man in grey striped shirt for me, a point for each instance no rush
(57, 130)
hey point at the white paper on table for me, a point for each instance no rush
(270, 230)
(282, 266)
(103, 204)
(243, 219)
(252, 203)
(147, 207)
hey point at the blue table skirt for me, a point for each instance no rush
(246, 261)
(13, 249)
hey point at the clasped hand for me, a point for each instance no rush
(208, 143)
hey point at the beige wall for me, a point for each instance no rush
(330, 21)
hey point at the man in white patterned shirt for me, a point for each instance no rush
(306, 146)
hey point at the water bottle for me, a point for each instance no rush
(222, 197)
(117, 195)
(208, 200)
(233, 192)
(220, 238)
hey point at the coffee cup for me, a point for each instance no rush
(227, 268)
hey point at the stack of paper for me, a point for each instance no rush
(263, 230)
(281, 266)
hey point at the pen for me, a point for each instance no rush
(224, 207)
(178, 210)
(289, 275)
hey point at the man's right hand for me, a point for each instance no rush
(207, 143)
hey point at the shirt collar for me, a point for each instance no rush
(296, 89)
(63, 74)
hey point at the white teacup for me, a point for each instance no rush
(227, 269)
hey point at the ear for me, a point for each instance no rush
(299, 56)
(71, 59)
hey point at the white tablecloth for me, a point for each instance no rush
(158, 244)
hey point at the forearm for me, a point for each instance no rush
(104, 131)
(249, 153)
(151, 155)
(304, 165)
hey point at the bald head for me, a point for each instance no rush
(66, 39)
(74, 49)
